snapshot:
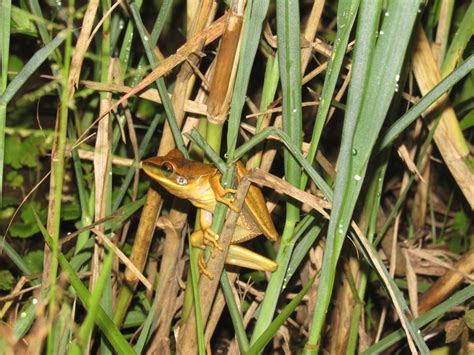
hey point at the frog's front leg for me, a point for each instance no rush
(220, 192)
(205, 236)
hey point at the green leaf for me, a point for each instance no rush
(6, 280)
(34, 260)
(14, 179)
(28, 226)
(467, 121)
(22, 22)
(469, 319)
(6, 213)
(71, 212)
(24, 153)
(15, 64)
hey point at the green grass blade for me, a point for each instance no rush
(455, 300)
(408, 118)
(302, 248)
(196, 299)
(268, 333)
(361, 129)
(36, 60)
(5, 18)
(108, 328)
(253, 20)
(85, 199)
(160, 83)
(288, 31)
(27, 317)
(14, 256)
(8, 93)
(345, 20)
(235, 315)
(126, 48)
(267, 132)
(147, 328)
(461, 38)
(87, 326)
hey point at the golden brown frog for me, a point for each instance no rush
(200, 184)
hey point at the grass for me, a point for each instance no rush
(319, 95)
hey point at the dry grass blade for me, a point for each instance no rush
(448, 136)
(281, 186)
(148, 94)
(446, 284)
(82, 44)
(193, 45)
(105, 240)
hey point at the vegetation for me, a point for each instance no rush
(359, 116)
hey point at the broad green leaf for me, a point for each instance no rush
(34, 260)
(6, 280)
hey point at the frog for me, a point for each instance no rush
(200, 184)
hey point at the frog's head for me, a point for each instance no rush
(180, 176)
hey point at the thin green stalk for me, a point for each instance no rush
(160, 83)
(45, 35)
(443, 86)
(372, 205)
(5, 21)
(3, 118)
(84, 195)
(254, 16)
(58, 176)
(344, 25)
(267, 335)
(235, 315)
(5, 18)
(308, 231)
(460, 40)
(197, 303)
(270, 85)
(288, 29)
(87, 326)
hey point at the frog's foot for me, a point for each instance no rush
(203, 267)
(210, 239)
(229, 202)
(230, 191)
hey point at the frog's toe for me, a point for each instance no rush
(203, 267)
(210, 239)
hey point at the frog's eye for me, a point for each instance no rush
(181, 180)
(167, 168)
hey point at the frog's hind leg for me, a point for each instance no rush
(243, 257)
